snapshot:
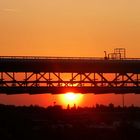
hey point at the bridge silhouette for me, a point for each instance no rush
(36, 75)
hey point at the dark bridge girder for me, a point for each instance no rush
(58, 90)
(36, 75)
(39, 64)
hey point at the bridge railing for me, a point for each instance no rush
(50, 57)
(65, 58)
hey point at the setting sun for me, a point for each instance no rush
(71, 99)
(70, 96)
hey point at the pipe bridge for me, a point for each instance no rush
(36, 75)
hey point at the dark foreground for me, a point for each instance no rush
(54, 123)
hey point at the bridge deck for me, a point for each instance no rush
(68, 64)
(58, 90)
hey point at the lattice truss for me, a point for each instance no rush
(45, 79)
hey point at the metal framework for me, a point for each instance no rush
(14, 80)
(119, 53)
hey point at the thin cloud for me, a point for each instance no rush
(9, 10)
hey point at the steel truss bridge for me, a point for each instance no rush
(36, 75)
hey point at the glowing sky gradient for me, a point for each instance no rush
(68, 28)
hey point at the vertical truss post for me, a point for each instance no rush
(59, 79)
(36, 84)
(26, 79)
(72, 79)
(1, 80)
(80, 84)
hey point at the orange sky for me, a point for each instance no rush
(68, 28)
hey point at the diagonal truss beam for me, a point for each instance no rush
(72, 80)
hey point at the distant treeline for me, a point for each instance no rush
(100, 122)
(97, 107)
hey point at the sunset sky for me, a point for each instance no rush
(69, 28)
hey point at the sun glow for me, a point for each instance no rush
(71, 99)
(70, 96)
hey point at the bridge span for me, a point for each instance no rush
(36, 75)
